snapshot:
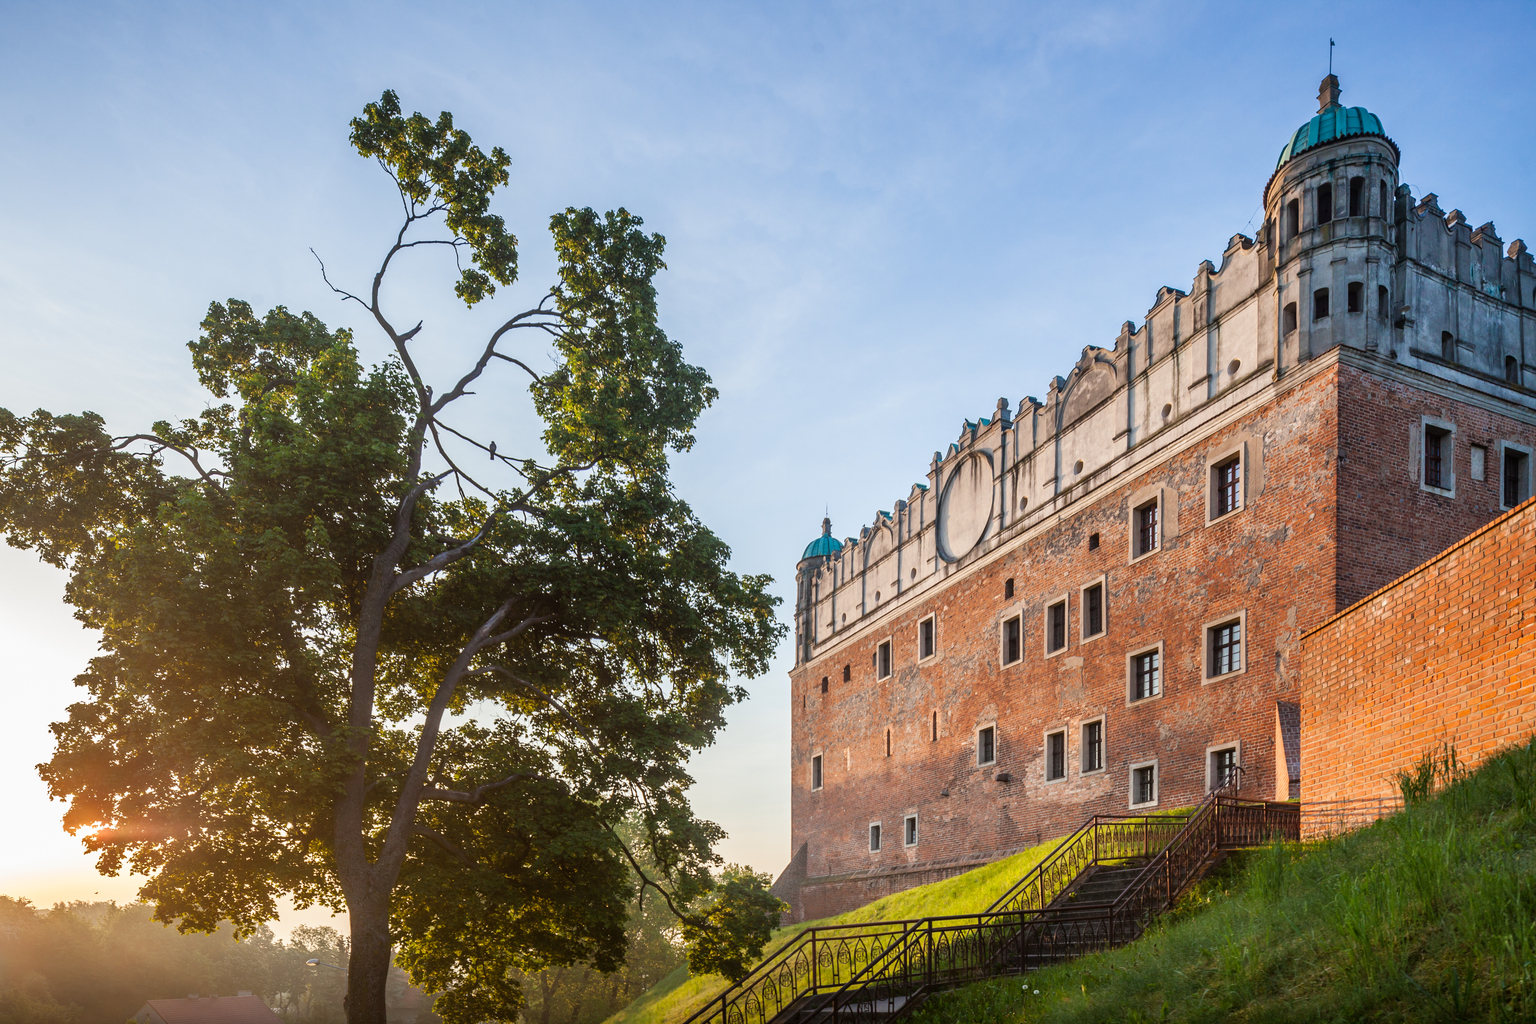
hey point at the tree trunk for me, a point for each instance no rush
(368, 969)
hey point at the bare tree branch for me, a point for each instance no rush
(478, 794)
(442, 559)
(161, 444)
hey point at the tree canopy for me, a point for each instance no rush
(352, 653)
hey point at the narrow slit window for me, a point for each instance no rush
(1093, 746)
(1013, 640)
(823, 684)
(1055, 756)
(1324, 203)
(935, 735)
(816, 772)
(986, 745)
(1356, 297)
(1357, 197)
(1056, 627)
(1146, 675)
(1386, 211)
(1382, 301)
(887, 743)
(1320, 304)
(1093, 610)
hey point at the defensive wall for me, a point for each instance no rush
(1446, 654)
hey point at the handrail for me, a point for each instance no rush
(1033, 886)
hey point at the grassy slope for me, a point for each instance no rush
(1427, 916)
(678, 995)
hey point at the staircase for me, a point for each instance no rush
(1098, 889)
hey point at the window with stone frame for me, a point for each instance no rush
(1055, 756)
(1515, 478)
(1227, 486)
(874, 837)
(909, 830)
(1437, 456)
(1013, 640)
(1056, 627)
(816, 778)
(1093, 746)
(1093, 610)
(1224, 648)
(883, 660)
(1146, 674)
(1223, 769)
(1145, 525)
(986, 745)
(1143, 784)
(925, 638)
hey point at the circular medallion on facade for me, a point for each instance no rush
(965, 506)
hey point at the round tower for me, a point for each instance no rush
(1330, 211)
(817, 553)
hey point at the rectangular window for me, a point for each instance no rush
(1013, 640)
(1146, 529)
(874, 838)
(1056, 627)
(1292, 219)
(1324, 203)
(1448, 346)
(1356, 297)
(1479, 461)
(1226, 487)
(1517, 477)
(1436, 455)
(1093, 610)
(1093, 542)
(1357, 197)
(935, 737)
(883, 660)
(1055, 756)
(925, 638)
(1320, 304)
(1093, 745)
(909, 830)
(1224, 649)
(1382, 299)
(1223, 769)
(1143, 784)
(1146, 675)
(887, 743)
(986, 745)
(816, 772)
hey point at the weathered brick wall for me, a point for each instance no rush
(1446, 654)
(1272, 561)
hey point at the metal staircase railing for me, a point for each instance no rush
(883, 969)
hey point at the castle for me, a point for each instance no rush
(1094, 603)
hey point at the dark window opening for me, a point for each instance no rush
(1324, 203)
(911, 830)
(1056, 626)
(1093, 746)
(1512, 370)
(1517, 477)
(823, 684)
(1357, 197)
(925, 638)
(1093, 610)
(1381, 301)
(1146, 675)
(1386, 211)
(1356, 297)
(1056, 756)
(1223, 767)
(816, 772)
(1288, 318)
(847, 673)
(883, 660)
(935, 736)
(1226, 648)
(1013, 641)
(1008, 589)
(1292, 219)
(1093, 542)
(874, 839)
(887, 743)
(986, 745)
(1436, 445)
(1146, 528)
(1144, 784)
(1320, 304)
(1448, 346)
(1227, 483)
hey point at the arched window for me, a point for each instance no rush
(1288, 318)
(1382, 301)
(1448, 346)
(1386, 211)
(1357, 197)
(1512, 370)
(1292, 219)
(1324, 203)
(1356, 297)
(1320, 304)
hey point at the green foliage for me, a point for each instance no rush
(726, 937)
(1429, 915)
(338, 664)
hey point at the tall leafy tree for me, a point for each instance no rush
(354, 654)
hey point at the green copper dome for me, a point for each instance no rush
(823, 546)
(1331, 122)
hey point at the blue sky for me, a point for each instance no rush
(880, 219)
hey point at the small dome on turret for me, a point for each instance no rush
(1331, 122)
(824, 546)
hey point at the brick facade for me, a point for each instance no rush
(1445, 654)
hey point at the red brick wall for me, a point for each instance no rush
(1274, 561)
(1446, 654)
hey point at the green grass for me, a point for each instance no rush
(1429, 915)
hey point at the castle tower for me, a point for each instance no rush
(817, 553)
